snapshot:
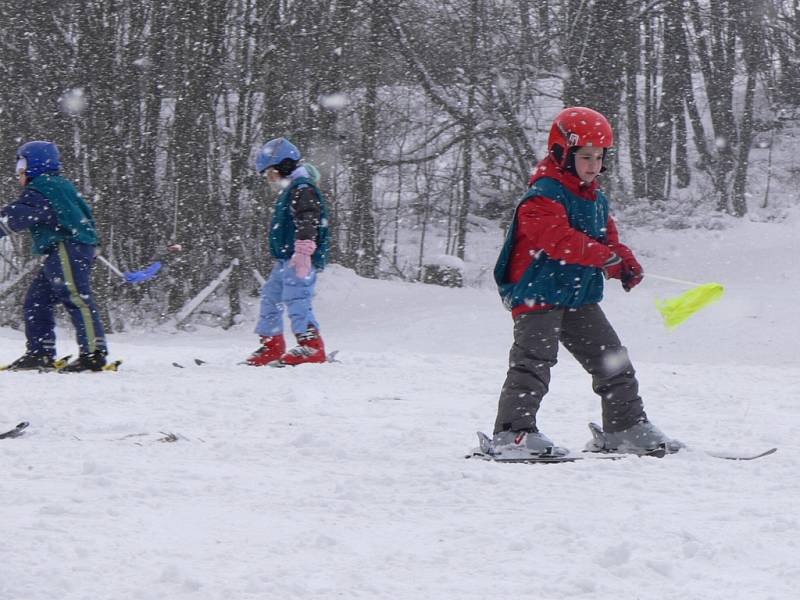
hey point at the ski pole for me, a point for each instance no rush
(672, 279)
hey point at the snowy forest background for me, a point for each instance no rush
(425, 120)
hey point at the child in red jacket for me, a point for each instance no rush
(561, 245)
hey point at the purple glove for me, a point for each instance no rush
(301, 259)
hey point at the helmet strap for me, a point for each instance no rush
(605, 154)
(558, 153)
(569, 161)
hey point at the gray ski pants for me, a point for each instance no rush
(591, 339)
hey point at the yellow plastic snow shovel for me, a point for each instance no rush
(676, 310)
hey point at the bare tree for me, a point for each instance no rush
(158, 107)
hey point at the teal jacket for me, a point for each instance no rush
(75, 221)
(283, 230)
(537, 279)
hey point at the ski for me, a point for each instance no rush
(484, 452)
(545, 459)
(599, 456)
(275, 364)
(198, 361)
(329, 358)
(111, 367)
(741, 456)
(59, 364)
(15, 432)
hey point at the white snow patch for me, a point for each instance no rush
(347, 480)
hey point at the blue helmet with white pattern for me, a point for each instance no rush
(275, 152)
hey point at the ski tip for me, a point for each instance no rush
(484, 442)
(744, 457)
(112, 366)
(199, 361)
(62, 362)
(766, 453)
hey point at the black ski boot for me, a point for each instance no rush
(90, 361)
(32, 362)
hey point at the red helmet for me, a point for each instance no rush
(578, 126)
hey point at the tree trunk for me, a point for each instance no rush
(363, 251)
(632, 67)
(469, 131)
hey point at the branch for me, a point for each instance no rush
(423, 159)
(425, 79)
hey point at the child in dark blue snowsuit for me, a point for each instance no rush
(63, 231)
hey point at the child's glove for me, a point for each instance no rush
(612, 268)
(632, 273)
(301, 259)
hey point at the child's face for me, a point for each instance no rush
(272, 175)
(22, 165)
(274, 179)
(588, 162)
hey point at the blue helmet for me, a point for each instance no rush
(40, 157)
(274, 152)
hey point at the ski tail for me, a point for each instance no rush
(15, 432)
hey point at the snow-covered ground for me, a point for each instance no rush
(348, 480)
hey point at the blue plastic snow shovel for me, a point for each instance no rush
(135, 276)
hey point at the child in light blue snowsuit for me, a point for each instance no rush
(298, 240)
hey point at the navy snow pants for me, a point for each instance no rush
(64, 278)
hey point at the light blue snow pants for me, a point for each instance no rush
(284, 289)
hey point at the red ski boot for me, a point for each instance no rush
(272, 348)
(309, 349)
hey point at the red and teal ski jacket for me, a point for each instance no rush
(559, 239)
